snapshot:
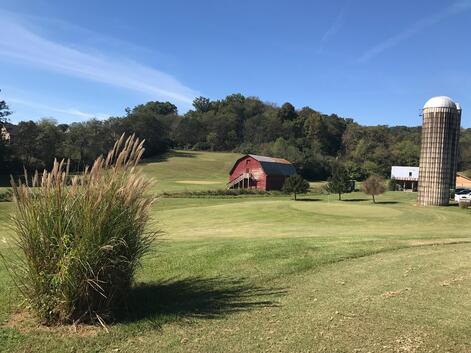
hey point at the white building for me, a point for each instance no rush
(407, 178)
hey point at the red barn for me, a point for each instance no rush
(259, 172)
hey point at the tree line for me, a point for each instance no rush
(311, 140)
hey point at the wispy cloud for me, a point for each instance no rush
(20, 43)
(417, 27)
(47, 109)
(337, 24)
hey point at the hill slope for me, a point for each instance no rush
(190, 170)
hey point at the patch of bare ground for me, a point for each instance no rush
(395, 293)
(410, 343)
(454, 281)
(26, 323)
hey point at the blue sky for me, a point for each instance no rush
(374, 61)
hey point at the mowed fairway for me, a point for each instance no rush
(268, 274)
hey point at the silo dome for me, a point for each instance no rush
(440, 102)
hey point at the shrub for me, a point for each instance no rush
(6, 196)
(82, 237)
(373, 186)
(220, 193)
(392, 184)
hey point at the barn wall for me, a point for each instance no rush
(275, 182)
(253, 166)
(462, 182)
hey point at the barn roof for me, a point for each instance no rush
(463, 176)
(271, 165)
(269, 159)
(405, 173)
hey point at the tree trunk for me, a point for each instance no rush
(340, 196)
(294, 196)
(374, 201)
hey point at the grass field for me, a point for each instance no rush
(190, 170)
(268, 274)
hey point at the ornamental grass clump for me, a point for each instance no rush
(82, 236)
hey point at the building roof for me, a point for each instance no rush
(441, 102)
(269, 159)
(404, 173)
(463, 176)
(271, 165)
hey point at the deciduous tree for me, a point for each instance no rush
(374, 186)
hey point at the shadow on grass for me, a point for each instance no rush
(196, 297)
(387, 202)
(356, 200)
(164, 157)
(308, 199)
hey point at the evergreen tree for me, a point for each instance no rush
(339, 182)
(295, 184)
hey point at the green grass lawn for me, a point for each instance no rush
(268, 274)
(191, 170)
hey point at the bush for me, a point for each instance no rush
(6, 196)
(392, 184)
(374, 186)
(83, 239)
(221, 193)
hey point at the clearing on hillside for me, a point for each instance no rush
(190, 170)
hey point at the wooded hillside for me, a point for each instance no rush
(308, 138)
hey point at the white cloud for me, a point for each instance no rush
(46, 109)
(417, 27)
(19, 43)
(337, 24)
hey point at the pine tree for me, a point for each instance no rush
(339, 182)
(295, 184)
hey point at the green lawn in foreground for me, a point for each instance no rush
(258, 274)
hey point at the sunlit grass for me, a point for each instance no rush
(255, 274)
